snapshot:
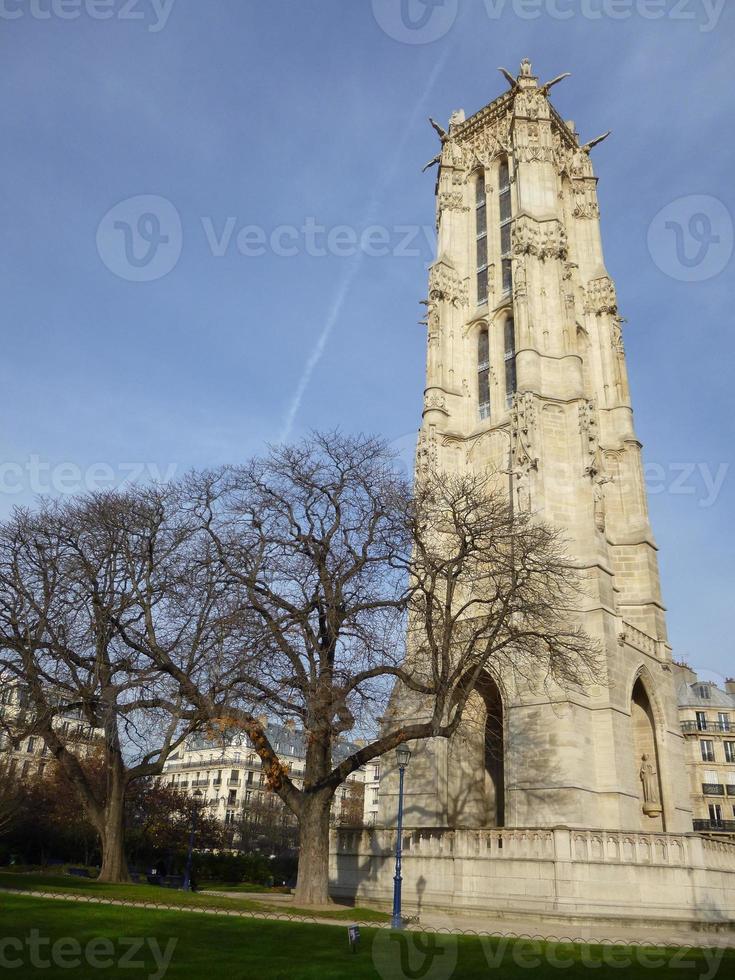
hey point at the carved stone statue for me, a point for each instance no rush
(649, 778)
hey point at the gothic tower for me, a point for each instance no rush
(526, 372)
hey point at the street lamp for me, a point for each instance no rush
(187, 873)
(403, 757)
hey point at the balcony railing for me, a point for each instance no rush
(200, 782)
(719, 826)
(233, 782)
(713, 789)
(730, 790)
(721, 727)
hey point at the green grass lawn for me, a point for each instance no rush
(68, 885)
(213, 947)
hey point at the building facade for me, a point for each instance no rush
(226, 771)
(526, 380)
(707, 717)
(27, 756)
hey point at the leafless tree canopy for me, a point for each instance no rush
(287, 587)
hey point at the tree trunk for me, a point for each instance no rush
(312, 883)
(112, 839)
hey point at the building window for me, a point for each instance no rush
(724, 720)
(483, 372)
(376, 773)
(481, 235)
(701, 721)
(707, 747)
(505, 220)
(31, 744)
(510, 360)
(703, 692)
(715, 812)
(729, 751)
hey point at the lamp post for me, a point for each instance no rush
(187, 873)
(403, 757)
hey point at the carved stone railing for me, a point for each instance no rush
(640, 640)
(534, 844)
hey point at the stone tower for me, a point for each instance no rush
(526, 373)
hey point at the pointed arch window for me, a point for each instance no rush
(483, 373)
(510, 360)
(481, 236)
(505, 221)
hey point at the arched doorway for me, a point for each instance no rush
(476, 777)
(646, 759)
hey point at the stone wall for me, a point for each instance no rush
(557, 873)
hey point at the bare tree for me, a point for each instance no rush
(287, 587)
(73, 577)
(330, 555)
(11, 797)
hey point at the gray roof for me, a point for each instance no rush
(690, 696)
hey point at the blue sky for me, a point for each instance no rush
(311, 115)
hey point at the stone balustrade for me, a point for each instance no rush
(640, 640)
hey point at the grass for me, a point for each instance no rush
(68, 885)
(241, 949)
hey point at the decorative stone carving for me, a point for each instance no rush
(590, 438)
(427, 450)
(600, 501)
(617, 336)
(544, 239)
(601, 297)
(435, 401)
(452, 201)
(445, 284)
(523, 432)
(585, 200)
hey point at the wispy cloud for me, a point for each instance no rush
(344, 285)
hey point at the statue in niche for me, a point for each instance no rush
(649, 778)
(600, 502)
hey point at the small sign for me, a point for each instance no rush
(353, 934)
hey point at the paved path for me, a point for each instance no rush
(666, 935)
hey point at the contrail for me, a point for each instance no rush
(343, 289)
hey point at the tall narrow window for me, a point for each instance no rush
(483, 373)
(481, 229)
(510, 360)
(505, 219)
